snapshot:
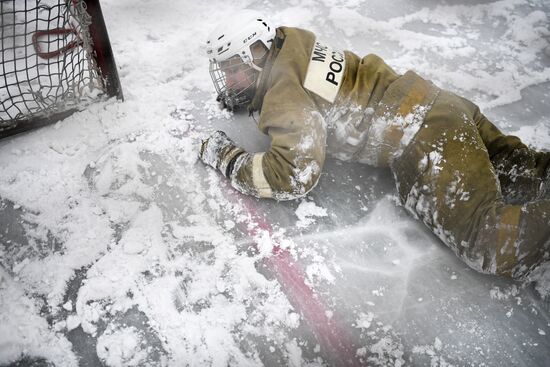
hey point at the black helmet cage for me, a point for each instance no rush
(230, 98)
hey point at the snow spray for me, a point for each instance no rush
(333, 339)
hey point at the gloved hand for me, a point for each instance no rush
(219, 151)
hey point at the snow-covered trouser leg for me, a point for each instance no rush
(445, 177)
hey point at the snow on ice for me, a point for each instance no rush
(119, 248)
(307, 211)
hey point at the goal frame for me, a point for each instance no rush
(105, 61)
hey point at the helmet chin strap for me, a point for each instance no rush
(260, 59)
(255, 67)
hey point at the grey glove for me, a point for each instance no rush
(220, 152)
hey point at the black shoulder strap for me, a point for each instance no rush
(279, 42)
(257, 100)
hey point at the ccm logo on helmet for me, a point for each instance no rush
(249, 37)
(325, 71)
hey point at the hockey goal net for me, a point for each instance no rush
(56, 58)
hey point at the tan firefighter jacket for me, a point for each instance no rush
(316, 100)
(450, 163)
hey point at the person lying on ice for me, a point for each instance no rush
(485, 194)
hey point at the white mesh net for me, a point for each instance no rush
(46, 61)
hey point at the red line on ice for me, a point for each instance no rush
(334, 340)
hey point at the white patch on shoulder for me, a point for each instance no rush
(325, 71)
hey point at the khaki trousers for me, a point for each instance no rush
(485, 194)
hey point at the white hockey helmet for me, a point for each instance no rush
(229, 47)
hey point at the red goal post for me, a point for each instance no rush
(55, 59)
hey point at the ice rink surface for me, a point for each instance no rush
(119, 248)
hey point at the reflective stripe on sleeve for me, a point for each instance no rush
(258, 178)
